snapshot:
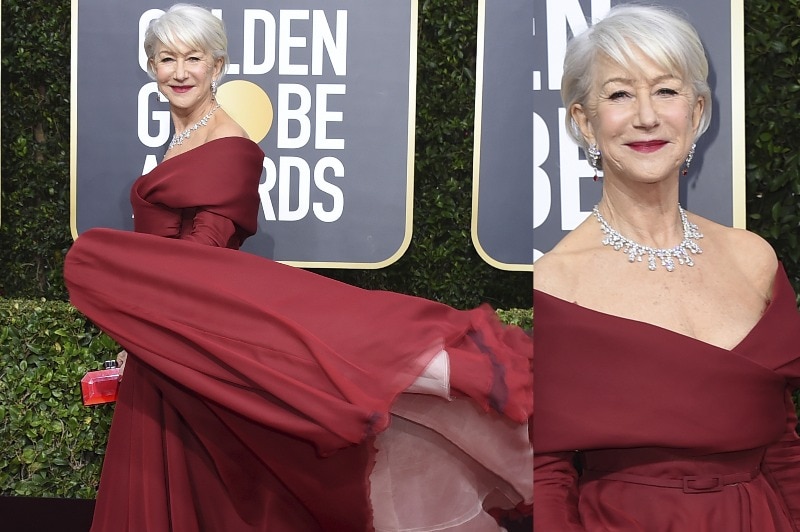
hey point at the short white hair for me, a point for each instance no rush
(191, 25)
(662, 35)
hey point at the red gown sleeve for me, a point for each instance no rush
(159, 220)
(555, 493)
(208, 195)
(210, 229)
(781, 464)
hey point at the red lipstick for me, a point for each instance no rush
(647, 146)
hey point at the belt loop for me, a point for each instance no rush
(702, 484)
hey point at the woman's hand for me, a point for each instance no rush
(122, 357)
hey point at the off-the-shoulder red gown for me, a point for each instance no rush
(675, 434)
(261, 397)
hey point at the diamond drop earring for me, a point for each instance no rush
(594, 158)
(688, 161)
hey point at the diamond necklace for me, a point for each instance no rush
(178, 139)
(667, 256)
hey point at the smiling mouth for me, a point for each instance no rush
(648, 146)
(181, 88)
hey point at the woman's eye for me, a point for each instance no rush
(166, 59)
(617, 95)
(667, 91)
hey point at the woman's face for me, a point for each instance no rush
(184, 75)
(643, 120)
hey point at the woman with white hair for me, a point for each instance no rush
(261, 397)
(667, 345)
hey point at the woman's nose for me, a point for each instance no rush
(646, 114)
(180, 70)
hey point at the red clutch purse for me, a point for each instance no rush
(100, 386)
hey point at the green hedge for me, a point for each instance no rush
(772, 117)
(34, 233)
(772, 123)
(441, 263)
(52, 445)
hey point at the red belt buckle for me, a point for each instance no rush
(702, 484)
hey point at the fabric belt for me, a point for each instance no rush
(689, 484)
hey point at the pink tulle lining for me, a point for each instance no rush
(441, 464)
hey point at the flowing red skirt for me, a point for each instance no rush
(254, 391)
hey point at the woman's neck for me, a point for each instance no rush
(183, 119)
(649, 217)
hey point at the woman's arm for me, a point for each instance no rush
(555, 493)
(781, 464)
(210, 229)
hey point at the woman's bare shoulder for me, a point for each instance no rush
(226, 126)
(744, 250)
(546, 270)
(556, 271)
(754, 254)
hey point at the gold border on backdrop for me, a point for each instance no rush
(476, 154)
(73, 120)
(738, 146)
(411, 125)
